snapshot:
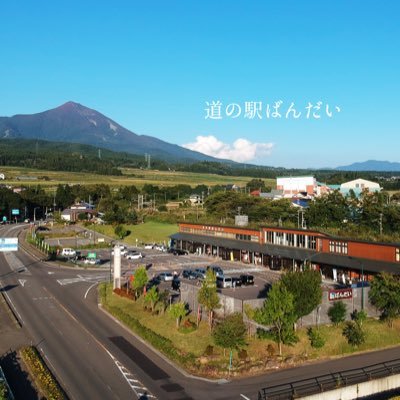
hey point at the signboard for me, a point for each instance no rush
(15, 211)
(340, 294)
(8, 244)
(91, 255)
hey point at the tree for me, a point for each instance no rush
(315, 337)
(208, 296)
(354, 334)
(120, 231)
(152, 297)
(306, 290)
(278, 310)
(140, 280)
(230, 333)
(337, 312)
(385, 296)
(178, 311)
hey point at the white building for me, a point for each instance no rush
(297, 184)
(358, 186)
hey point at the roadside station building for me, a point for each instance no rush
(343, 260)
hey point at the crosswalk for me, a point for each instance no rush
(80, 278)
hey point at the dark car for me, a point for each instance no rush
(153, 282)
(188, 274)
(247, 279)
(177, 252)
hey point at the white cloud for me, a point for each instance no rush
(241, 150)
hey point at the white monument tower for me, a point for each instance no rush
(117, 267)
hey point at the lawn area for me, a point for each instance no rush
(259, 358)
(194, 342)
(148, 232)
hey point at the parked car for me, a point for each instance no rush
(68, 252)
(224, 282)
(134, 256)
(155, 281)
(160, 248)
(149, 246)
(178, 252)
(247, 279)
(200, 273)
(166, 276)
(236, 281)
(216, 269)
(92, 261)
(189, 274)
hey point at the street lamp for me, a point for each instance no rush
(34, 214)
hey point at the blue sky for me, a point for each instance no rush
(152, 65)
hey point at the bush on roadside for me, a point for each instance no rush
(337, 312)
(315, 337)
(41, 374)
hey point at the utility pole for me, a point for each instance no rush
(381, 223)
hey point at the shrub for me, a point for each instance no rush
(315, 337)
(359, 317)
(337, 312)
(42, 374)
(354, 334)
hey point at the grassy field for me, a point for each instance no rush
(148, 232)
(378, 336)
(130, 176)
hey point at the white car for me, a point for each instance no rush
(68, 252)
(166, 276)
(92, 261)
(134, 256)
(149, 246)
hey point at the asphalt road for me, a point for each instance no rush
(96, 358)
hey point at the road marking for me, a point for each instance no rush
(50, 272)
(245, 397)
(127, 375)
(87, 291)
(22, 282)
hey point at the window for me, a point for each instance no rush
(397, 255)
(338, 247)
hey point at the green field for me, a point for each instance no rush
(130, 176)
(148, 232)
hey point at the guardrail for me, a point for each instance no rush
(324, 383)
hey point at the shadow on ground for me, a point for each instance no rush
(17, 378)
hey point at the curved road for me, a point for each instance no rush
(96, 358)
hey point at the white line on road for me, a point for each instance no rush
(128, 377)
(22, 282)
(245, 397)
(87, 291)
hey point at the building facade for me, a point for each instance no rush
(343, 260)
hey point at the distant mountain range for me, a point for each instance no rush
(372, 165)
(75, 123)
